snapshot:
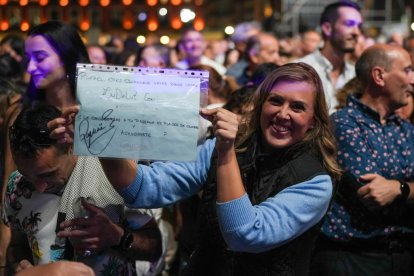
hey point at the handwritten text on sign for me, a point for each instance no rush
(131, 115)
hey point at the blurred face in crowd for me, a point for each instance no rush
(150, 58)
(6, 48)
(43, 63)
(193, 44)
(96, 55)
(269, 50)
(310, 42)
(343, 33)
(287, 114)
(49, 171)
(399, 78)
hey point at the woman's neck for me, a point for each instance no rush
(60, 95)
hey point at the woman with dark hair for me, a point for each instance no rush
(266, 185)
(52, 51)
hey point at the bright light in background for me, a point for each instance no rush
(187, 15)
(165, 39)
(103, 39)
(105, 3)
(142, 16)
(4, 25)
(412, 26)
(141, 39)
(63, 3)
(85, 25)
(151, 3)
(152, 25)
(127, 24)
(176, 23)
(198, 24)
(229, 30)
(163, 12)
(127, 2)
(24, 26)
(83, 3)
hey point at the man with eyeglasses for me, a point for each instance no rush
(340, 25)
(369, 229)
(40, 201)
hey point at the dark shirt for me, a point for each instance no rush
(367, 146)
(238, 71)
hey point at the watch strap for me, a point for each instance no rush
(126, 240)
(405, 190)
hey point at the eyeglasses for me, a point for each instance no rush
(37, 137)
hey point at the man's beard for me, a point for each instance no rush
(340, 44)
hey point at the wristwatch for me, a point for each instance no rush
(405, 190)
(127, 240)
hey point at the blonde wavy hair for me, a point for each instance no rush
(320, 137)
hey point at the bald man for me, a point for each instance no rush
(261, 48)
(369, 229)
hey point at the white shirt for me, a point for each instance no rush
(324, 67)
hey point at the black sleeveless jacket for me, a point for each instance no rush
(263, 176)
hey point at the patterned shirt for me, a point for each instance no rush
(36, 214)
(367, 146)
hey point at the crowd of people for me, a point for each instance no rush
(304, 165)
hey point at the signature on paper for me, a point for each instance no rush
(97, 139)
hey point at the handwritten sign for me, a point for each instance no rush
(138, 113)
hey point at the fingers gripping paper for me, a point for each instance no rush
(138, 113)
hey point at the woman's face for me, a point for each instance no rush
(43, 63)
(287, 114)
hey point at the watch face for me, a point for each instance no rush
(129, 240)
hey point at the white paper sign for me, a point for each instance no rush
(138, 113)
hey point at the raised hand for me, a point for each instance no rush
(225, 127)
(62, 128)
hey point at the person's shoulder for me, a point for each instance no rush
(237, 69)
(407, 126)
(344, 115)
(309, 58)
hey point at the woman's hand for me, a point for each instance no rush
(62, 128)
(225, 127)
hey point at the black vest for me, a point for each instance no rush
(263, 176)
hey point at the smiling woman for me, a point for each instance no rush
(52, 51)
(266, 183)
